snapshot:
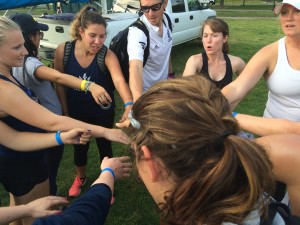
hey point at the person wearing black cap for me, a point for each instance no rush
(38, 77)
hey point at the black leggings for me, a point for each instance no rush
(104, 146)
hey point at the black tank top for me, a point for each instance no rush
(19, 126)
(228, 74)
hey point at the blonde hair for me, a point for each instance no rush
(86, 16)
(187, 123)
(6, 25)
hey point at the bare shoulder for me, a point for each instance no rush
(193, 65)
(196, 58)
(237, 63)
(60, 48)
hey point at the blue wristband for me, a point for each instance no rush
(58, 139)
(234, 114)
(110, 170)
(128, 103)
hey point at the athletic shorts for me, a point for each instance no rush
(20, 175)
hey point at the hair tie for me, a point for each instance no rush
(219, 142)
(136, 124)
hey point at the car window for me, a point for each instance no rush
(194, 5)
(178, 6)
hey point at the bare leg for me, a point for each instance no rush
(12, 203)
(39, 190)
(80, 171)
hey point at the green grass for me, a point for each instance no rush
(133, 205)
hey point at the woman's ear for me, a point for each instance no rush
(151, 164)
(225, 38)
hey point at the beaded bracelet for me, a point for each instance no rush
(110, 170)
(58, 139)
(87, 86)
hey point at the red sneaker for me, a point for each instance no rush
(75, 189)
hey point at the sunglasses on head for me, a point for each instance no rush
(155, 7)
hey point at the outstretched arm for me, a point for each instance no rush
(114, 68)
(36, 115)
(93, 206)
(25, 141)
(37, 208)
(266, 126)
(262, 63)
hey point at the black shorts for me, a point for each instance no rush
(20, 175)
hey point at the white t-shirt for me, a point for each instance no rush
(157, 65)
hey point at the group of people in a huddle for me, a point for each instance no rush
(194, 162)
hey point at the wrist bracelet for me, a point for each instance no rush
(234, 114)
(82, 85)
(58, 139)
(128, 103)
(110, 170)
(87, 86)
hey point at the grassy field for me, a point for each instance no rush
(133, 205)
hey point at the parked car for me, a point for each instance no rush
(209, 2)
(186, 16)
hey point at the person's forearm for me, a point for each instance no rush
(24, 141)
(12, 213)
(136, 87)
(106, 178)
(267, 126)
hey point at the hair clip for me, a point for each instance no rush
(136, 124)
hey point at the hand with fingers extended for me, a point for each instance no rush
(76, 136)
(117, 135)
(99, 94)
(42, 207)
(119, 165)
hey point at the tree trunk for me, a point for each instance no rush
(244, 2)
(221, 3)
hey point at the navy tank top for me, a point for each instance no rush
(80, 103)
(228, 74)
(19, 126)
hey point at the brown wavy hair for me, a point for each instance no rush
(187, 123)
(86, 16)
(219, 26)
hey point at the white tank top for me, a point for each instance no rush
(284, 89)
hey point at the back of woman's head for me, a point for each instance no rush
(86, 16)
(218, 176)
(218, 26)
(6, 25)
